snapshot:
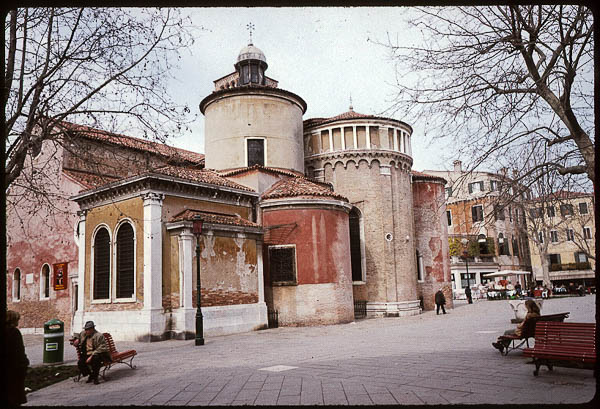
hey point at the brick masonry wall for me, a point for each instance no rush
(431, 226)
(380, 189)
(215, 297)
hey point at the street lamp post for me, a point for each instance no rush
(466, 257)
(197, 230)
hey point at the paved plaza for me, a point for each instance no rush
(424, 359)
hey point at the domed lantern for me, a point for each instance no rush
(251, 66)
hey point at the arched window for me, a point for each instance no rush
(101, 265)
(45, 282)
(17, 284)
(355, 247)
(125, 261)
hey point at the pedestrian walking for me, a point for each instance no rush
(468, 294)
(440, 300)
(14, 362)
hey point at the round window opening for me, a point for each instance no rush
(389, 237)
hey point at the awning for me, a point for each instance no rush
(504, 273)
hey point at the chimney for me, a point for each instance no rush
(457, 166)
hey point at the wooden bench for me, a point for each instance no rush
(516, 342)
(567, 344)
(125, 357)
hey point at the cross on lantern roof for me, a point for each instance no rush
(250, 28)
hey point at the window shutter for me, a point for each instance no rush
(125, 261)
(101, 265)
(355, 256)
(470, 188)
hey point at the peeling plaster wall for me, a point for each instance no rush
(431, 226)
(323, 294)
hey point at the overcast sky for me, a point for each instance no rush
(321, 54)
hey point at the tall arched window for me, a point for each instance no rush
(101, 265)
(125, 261)
(355, 250)
(45, 281)
(17, 284)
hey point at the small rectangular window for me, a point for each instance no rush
(493, 185)
(553, 236)
(449, 216)
(566, 209)
(499, 212)
(475, 187)
(587, 233)
(282, 264)
(570, 235)
(256, 152)
(477, 213)
(467, 280)
(448, 192)
(550, 211)
(554, 259)
(583, 208)
(541, 237)
(536, 213)
(581, 257)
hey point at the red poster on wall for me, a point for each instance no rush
(60, 275)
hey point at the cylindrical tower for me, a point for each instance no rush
(368, 160)
(433, 259)
(249, 121)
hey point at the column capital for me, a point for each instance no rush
(151, 198)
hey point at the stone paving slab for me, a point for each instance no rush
(420, 360)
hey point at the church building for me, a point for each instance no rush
(303, 217)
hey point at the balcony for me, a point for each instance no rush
(571, 266)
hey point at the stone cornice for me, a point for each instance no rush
(296, 203)
(186, 224)
(356, 155)
(166, 185)
(252, 90)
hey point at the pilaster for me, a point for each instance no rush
(152, 251)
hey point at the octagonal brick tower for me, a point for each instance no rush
(368, 160)
(248, 120)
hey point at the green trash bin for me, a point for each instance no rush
(54, 339)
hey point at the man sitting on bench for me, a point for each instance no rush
(532, 311)
(94, 350)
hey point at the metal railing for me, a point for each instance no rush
(360, 309)
(273, 318)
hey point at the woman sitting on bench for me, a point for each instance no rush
(532, 311)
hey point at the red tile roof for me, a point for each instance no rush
(351, 114)
(300, 186)
(199, 175)
(563, 195)
(88, 180)
(249, 169)
(211, 217)
(135, 143)
(421, 175)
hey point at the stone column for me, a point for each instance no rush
(402, 144)
(330, 139)
(367, 136)
(153, 251)
(186, 257)
(81, 273)
(354, 137)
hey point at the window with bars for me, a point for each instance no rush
(256, 152)
(355, 254)
(282, 264)
(45, 281)
(101, 265)
(125, 261)
(17, 284)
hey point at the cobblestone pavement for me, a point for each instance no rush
(424, 359)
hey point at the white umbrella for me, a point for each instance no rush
(503, 273)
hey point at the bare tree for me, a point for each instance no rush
(497, 78)
(98, 67)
